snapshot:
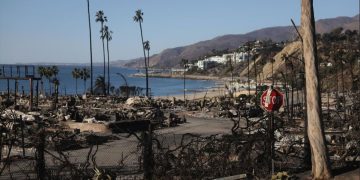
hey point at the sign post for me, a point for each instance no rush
(271, 100)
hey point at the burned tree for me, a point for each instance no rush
(320, 161)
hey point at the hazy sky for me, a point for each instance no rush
(57, 30)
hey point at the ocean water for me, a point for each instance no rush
(159, 86)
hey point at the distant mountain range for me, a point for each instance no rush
(171, 57)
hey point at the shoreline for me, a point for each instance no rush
(215, 91)
(178, 76)
(195, 95)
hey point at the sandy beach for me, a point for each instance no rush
(212, 92)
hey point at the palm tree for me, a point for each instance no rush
(56, 83)
(100, 17)
(99, 82)
(91, 60)
(84, 75)
(147, 48)
(55, 70)
(41, 72)
(320, 161)
(138, 18)
(76, 75)
(48, 74)
(107, 35)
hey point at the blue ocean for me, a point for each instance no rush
(159, 86)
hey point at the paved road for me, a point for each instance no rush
(111, 153)
(201, 126)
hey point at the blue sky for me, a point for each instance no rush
(57, 30)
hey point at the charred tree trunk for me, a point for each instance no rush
(320, 161)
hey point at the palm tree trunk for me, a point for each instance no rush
(102, 34)
(320, 161)
(148, 58)
(91, 60)
(108, 67)
(146, 68)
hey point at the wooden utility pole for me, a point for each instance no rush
(320, 162)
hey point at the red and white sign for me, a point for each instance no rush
(272, 100)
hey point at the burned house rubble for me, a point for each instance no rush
(255, 143)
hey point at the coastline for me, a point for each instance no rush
(178, 76)
(218, 90)
(195, 95)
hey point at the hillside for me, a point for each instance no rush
(172, 56)
(292, 49)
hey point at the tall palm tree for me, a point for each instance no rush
(320, 161)
(100, 17)
(99, 82)
(139, 18)
(56, 83)
(48, 74)
(41, 72)
(91, 60)
(76, 75)
(84, 75)
(107, 35)
(55, 70)
(147, 48)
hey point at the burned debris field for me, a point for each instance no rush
(275, 103)
(213, 137)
